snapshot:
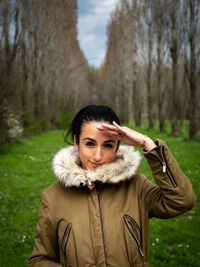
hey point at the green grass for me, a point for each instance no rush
(25, 171)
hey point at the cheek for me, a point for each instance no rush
(83, 152)
(109, 157)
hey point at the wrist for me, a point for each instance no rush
(144, 140)
(148, 143)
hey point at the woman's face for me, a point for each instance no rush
(95, 147)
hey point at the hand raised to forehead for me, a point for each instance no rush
(122, 133)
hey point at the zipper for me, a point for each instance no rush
(66, 238)
(101, 227)
(168, 170)
(165, 167)
(130, 221)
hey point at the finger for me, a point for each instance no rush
(117, 126)
(117, 137)
(114, 123)
(102, 128)
(112, 131)
(106, 127)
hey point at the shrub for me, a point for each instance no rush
(15, 129)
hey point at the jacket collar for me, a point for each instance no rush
(66, 166)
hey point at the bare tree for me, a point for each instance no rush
(8, 51)
(159, 28)
(42, 65)
(192, 50)
(174, 40)
(149, 36)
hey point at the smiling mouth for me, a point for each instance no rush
(96, 164)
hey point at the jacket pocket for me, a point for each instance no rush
(135, 231)
(65, 238)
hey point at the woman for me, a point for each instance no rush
(98, 213)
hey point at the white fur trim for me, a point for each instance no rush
(66, 166)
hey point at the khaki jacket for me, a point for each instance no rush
(101, 218)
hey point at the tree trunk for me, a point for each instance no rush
(160, 94)
(192, 81)
(175, 125)
(149, 83)
(136, 104)
(174, 56)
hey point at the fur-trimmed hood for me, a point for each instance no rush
(68, 170)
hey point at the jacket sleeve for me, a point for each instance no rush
(173, 194)
(45, 252)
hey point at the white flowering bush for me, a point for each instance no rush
(15, 130)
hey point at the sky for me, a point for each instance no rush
(93, 17)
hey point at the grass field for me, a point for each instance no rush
(25, 170)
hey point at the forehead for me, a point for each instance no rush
(89, 129)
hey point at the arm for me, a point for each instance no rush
(173, 194)
(127, 135)
(45, 252)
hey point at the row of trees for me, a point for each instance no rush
(152, 68)
(43, 70)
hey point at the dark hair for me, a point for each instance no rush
(87, 114)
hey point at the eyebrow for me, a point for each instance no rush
(107, 141)
(110, 141)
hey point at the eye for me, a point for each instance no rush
(108, 145)
(90, 144)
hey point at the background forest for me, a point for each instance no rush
(151, 70)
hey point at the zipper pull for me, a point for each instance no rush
(141, 253)
(164, 167)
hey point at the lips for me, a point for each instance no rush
(95, 165)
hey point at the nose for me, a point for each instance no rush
(97, 154)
